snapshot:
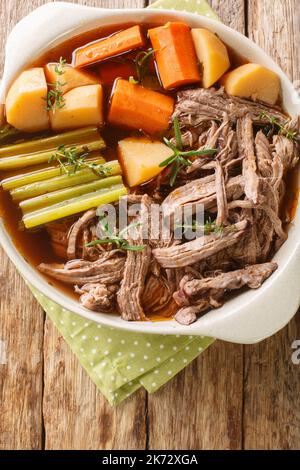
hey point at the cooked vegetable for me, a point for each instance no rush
(83, 107)
(70, 160)
(140, 158)
(75, 137)
(175, 54)
(136, 107)
(70, 78)
(123, 41)
(60, 195)
(212, 54)
(59, 182)
(142, 63)
(21, 161)
(7, 131)
(40, 175)
(253, 81)
(74, 206)
(26, 101)
(55, 98)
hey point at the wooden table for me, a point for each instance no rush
(232, 397)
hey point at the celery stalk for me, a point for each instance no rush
(8, 131)
(19, 180)
(21, 161)
(73, 206)
(28, 147)
(59, 182)
(55, 197)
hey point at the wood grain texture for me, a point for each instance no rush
(272, 382)
(231, 12)
(21, 323)
(202, 407)
(76, 415)
(21, 365)
(213, 381)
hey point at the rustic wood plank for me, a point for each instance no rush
(231, 12)
(76, 415)
(21, 324)
(271, 401)
(206, 398)
(201, 407)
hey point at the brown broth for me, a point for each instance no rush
(35, 245)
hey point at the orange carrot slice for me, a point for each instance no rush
(123, 41)
(110, 70)
(175, 54)
(135, 107)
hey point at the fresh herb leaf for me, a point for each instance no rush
(60, 67)
(55, 98)
(179, 158)
(177, 133)
(70, 160)
(289, 134)
(209, 227)
(117, 240)
(132, 80)
(142, 62)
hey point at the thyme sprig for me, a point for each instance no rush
(142, 63)
(180, 158)
(55, 98)
(118, 240)
(288, 133)
(209, 227)
(70, 160)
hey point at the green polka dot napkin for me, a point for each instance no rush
(200, 7)
(121, 362)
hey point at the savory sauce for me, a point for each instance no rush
(35, 245)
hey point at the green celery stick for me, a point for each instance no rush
(19, 180)
(65, 180)
(55, 197)
(74, 206)
(21, 161)
(79, 136)
(8, 131)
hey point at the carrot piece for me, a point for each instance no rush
(123, 41)
(109, 71)
(175, 54)
(135, 107)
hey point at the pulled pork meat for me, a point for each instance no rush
(200, 248)
(198, 295)
(241, 187)
(97, 296)
(136, 267)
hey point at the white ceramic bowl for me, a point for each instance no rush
(250, 316)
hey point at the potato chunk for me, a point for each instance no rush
(70, 78)
(212, 54)
(140, 158)
(26, 101)
(253, 81)
(83, 107)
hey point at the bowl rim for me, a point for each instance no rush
(208, 323)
